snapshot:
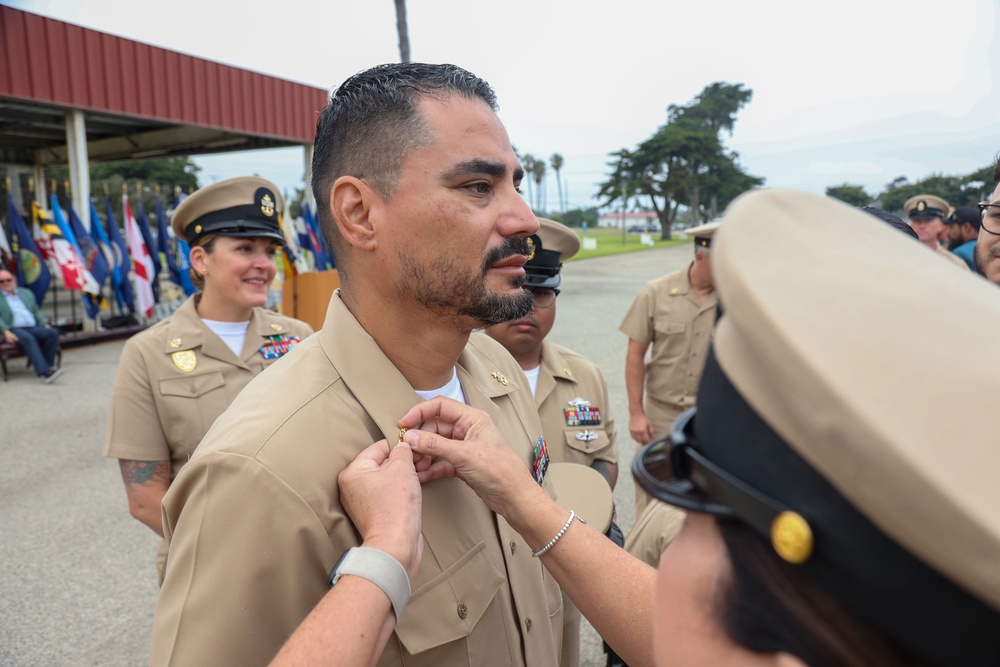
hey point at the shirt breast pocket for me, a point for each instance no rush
(448, 607)
(191, 386)
(587, 442)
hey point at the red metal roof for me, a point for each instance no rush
(43, 60)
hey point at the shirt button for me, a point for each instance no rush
(463, 611)
(527, 624)
(193, 390)
(513, 547)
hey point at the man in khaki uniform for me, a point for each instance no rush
(675, 314)
(570, 392)
(927, 214)
(176, 377)
(416, 187)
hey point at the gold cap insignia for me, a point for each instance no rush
(175, 343)
(531, 248)
(266, 205)
(792, 537)
(185, 360)
(197, 229)
(276, 327)
(500, 377)
(921, 205)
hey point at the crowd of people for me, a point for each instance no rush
(427, 479)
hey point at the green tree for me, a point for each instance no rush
(556, 162)
(854, 195)
(577, 216)
(538, 175)
(685, 159)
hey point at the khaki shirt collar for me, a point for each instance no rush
(553, 366)
(680, 285)
(380, 388)
(187, 331)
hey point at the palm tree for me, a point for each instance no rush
(404, 32)
(538, 171)
(528, 164)
(556, 162)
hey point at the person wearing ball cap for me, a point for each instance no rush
(570, 392)
(837, 515)
(176, 377)
(927, 214)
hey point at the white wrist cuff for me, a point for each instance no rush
(379, 568)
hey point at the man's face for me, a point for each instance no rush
(6, 281)
(987, 253)
(927, 229)
(456, 223)
(954, 232)
(525, 335)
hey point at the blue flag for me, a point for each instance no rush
(324, 256)
(101, 239)
(123, 290)
(31, 270)
(164, 247)
(93, 259)
(147, 238)
(184, 257)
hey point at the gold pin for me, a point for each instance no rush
(197, 229)
(267, 205)
(792, 537)
(175, 343)
(500, 377)
(185, 360)
(402, 433)
(674, 291)
(531, 248)
(568, 372)
(276, 327)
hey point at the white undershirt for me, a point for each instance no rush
(451, 390)
(233, 334)
(533, 378)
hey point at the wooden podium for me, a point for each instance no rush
(307, 296)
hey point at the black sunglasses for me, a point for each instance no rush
(674, 470)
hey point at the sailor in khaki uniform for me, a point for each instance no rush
(675, 315)
(175, 378)
(254, 521)
(927, 214)
(570, 392)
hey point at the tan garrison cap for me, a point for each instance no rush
(247, 206)
(926, 206)
(703, 234)
(584, 490)
(882, 449)
(552, 244)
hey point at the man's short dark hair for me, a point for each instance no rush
(371, 124)
(892, 220)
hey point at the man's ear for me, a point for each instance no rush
(351, 201)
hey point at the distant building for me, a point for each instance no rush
(644, 220)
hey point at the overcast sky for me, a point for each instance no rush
(858, 91)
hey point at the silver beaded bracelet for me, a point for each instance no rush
(562, 531)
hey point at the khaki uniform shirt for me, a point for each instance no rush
(563, 377)
(255, 522)
(654, 529)
(667, 314)
(176, 377)
(951, 257)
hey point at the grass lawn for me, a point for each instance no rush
(609, 242)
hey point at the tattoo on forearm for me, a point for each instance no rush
(140, 472)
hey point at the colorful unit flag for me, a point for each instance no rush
(31, 270)
(93, 259)
(100, 237)
(74, 274)
(142, 263)
(123, 289)
(154, 257)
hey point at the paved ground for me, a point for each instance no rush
(77, 582)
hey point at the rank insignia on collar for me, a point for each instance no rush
(278, 346)
(540, 460)
(581, 413)
(586, 436)
(499, 377)
(276, 327)
(185, 360)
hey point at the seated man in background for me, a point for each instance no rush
(21, 322)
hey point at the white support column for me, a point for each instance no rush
(307, 152)
(79, 164)
(41, 187)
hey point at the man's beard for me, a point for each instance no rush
(440, 288)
